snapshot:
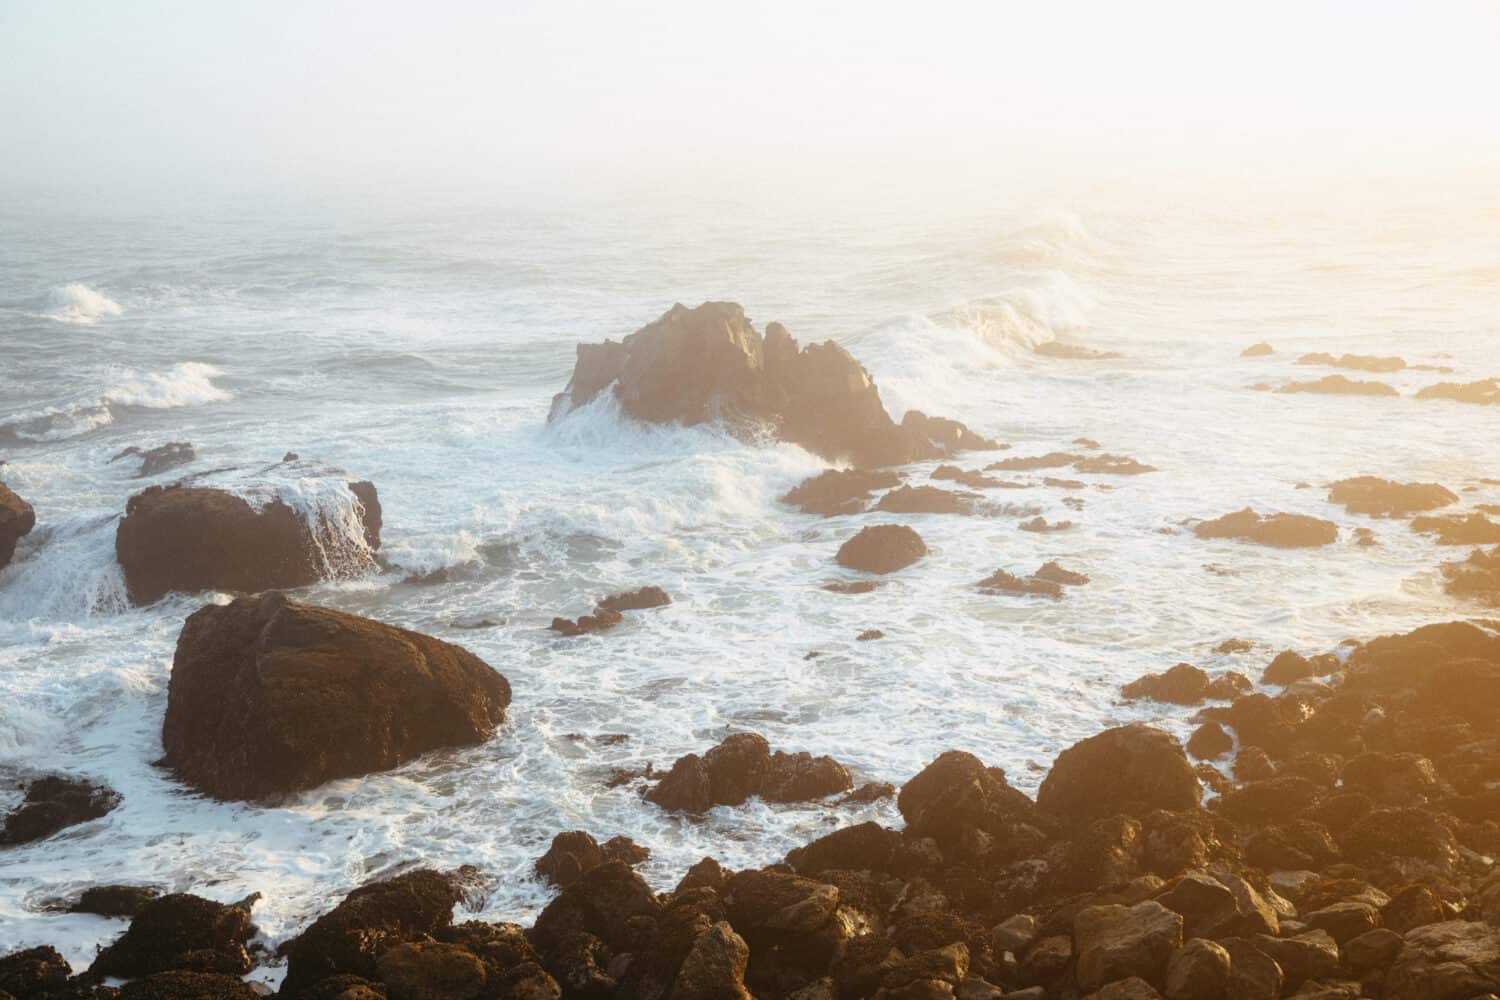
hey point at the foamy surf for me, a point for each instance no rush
(188, 383)
(79, 304)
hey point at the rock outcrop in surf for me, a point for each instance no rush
(744, 766)
(17, 518)
(192, 538)
(695, 366)
(1284, 531)
(269, 696)
(1383, 498)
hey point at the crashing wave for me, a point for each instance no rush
(79, 304)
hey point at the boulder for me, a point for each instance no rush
(743, 766)
(957, 794)
(1117, 942)
(840, 491)
(1259, 350)
(269, 696)
(1458, 529)
(1476, 577)
(55, 803)
(371, 920)
(925, 500)
(1485, 392)
(17, 518)
(1210, 742)
(1002, 582)
(1384, 498)
(1199, 970)
(1454, 960)
(1112, 465)
(599, 621)
(1130, 769)
(882, 548)
(949, 437)
(431, 970)
(181, 932)
(1287, 668)
(694, 366)
(1338, 385)
(155, 461)
(113, 900)
(1183, 684)
(1053, 573)
(1286, 531)
(714, 968)
(33, 972)
(636, 600)
(189, 539)
(574, 852)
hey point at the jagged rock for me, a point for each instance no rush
(1374, 949)
(949, 437)
(181, 932)
(1041, 525)
(693, 366)
(585, 624)
(1309, 955)
(715, 967)
(882, 548)
(159, 459)
(1015, 934)
(1458, 529)
(1476, 577)
(925, 500)
(1183, 684)
(1001, 582)
(1287, 668)
(1277, 530)
(864, 847)
(271, 696)
(1116, 942)
(1344, 921)
(636, 600)
(1051, 460)
(574, 852)
(1199, 970)
(1412, 907)
(1485, 392)
(743, 766)
(1253, 975)
(973, 479)
(188, 539)
(839, 491)
(17, 518)
(1338, 385)
(113, 900)
(1130, 769)
(1383, 498)
(55, 803)
(1054, 573)
(1112, 465)
(33, 972)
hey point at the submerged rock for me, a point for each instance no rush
(1054, 573)
(636, 600)
(1485, 392)
(188, 539)
(971, 478)
(599, 621)
(1001, 582)
(743, 766)
(159, 459)
(1384, 498)
(1459, 529)
(1285, 531)
(1339, 385)
(926, 500)
(839, 491)
(1113, 465)
(694, 366)
(268, 696)
(882, 548)
(1354, 362)
(17, 518)
(55, 803)
(1051, 460)
(1259, 350)
(114, 900)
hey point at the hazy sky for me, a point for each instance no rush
(525, 96)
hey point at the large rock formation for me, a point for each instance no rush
(268, 696)
(1383, 498)
(1354, 362)
(699, 365)
(1283, 531)
(16, 519)
(189, 539)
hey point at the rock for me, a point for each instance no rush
(839, 491)
(1131, 770)
(574, 852)
(33, 972)
(1310, 955)
(1355, 362)
(1229, 686)
(269, 696)
(1454, 960)
(956, 793)
(1014, 935)
(714, 968)
(181, 932)
(948, 437)
(189, 986)
(1112, 465)
(159, 459)
(1183, 684)
(1277, 530)
(1001, 582)
(925, 500)
(1042, 525)
(1047, 960)
(1199, 970)
(1053, 573)
(1485, 392)
(1116, 942)
(1071, 352)
(1397, 779)
(973, 479)
(869, 635)
(188, 539)
(1210, 742)
(743, 766)
(1338, 385)
(1400, 833)
(1287, 668)
(17, 518)
(852, 586)
(113, 900)
(1476, 577)
(1253, 975)
(1374, 949)
(694, 366)
(1412, 907)
(431, 970)
(882, 548)
(1384, 498)
(351, 938)
(1344, 921)
(636, 600)
(1259, 350)
(1269, 800)
(597, 622)
(1051, 460)
(1459, 529)
(863, 847)
(1134, 988)
(55, 803)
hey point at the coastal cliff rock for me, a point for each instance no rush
(694, 366)
(268, 696)
(188, 539)
(17, 518)
(1284, 531)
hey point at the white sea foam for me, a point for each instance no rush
(188, 383)
(79, 304)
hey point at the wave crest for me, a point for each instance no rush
(79, 304)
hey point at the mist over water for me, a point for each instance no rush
(420, 349)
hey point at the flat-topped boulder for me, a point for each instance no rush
(195, 538)
(1383, 498)
(1339, 385)
(1485, 392)
(695, 366)
(17, 518)
(268, 696)
(1354, 362)
(1283, 531)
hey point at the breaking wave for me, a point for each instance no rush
(80, 304)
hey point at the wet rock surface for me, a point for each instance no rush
(17, 518)
(54, 803)
(883, 548)
(1287, 531)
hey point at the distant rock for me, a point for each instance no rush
(1053, 572)
(1285, 531)
(159, 459)
(636, 600)
(1041, 525)
(1259, 350)
(575, 852)
(1354, 362)
(743, 766)
(1476, 577)
(851, 586)
(1183, 684)
(882, 548)
(1339, 385)
(973, 479)
(55, 803)
(839, 491)
(599, 621)
(1231, 646)
(1459, 529)
(189, 539)
(1072, 352)
(268, 696)
(607, 613)
(17, 518)
(1384, 498)
(1001, 582)
(694, 366)
(926, 500)
(1051, 460)
(1485, 392)
(1112, 465)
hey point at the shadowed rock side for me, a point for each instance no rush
(189, 539)
(1285, 531)
(1485, 392)
(55, 803)
(576, 851)
(741, 767)
(268, 696)
(17, 518)
(1383, 498)
(162, 458)
(695, 366)
(882, 548)
(1339, 385)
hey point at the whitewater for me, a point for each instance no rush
(421, 350)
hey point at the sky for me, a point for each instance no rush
(536, 97)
